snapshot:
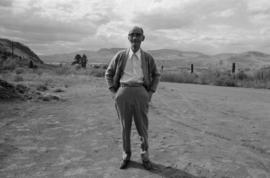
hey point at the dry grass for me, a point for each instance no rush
(252, 79)
(51, 77)
(77, 70)
(59, 76)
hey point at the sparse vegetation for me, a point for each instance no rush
(9, 65)
(97, 72)
(179, 77)
(19, 71)
(255, 79)
(42, 87)
(18, 78)
(78, 70)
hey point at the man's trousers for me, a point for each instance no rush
(132, 102)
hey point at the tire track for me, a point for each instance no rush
(176, 116)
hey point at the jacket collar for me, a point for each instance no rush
(144, 66)
(138, 53)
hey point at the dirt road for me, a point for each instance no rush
(195, 131)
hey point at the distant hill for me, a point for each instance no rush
(15, 52)
(250, 59)
(172, 58)
(101, 56)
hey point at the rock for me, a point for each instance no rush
(7, 90)
(21, 88)
(49, 97)
(42, 88)
(58, 90)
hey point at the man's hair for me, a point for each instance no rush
(137, 28)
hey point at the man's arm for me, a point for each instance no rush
(155, 75)
(110, 72)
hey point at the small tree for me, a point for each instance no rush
(77, 59)
(84, 61)
(31, 64)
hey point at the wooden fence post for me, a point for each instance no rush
(12, 49)
(233, 67)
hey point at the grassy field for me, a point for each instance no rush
(251, 79)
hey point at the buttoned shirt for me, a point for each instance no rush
(133, 70)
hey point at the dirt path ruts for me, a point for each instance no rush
(210, 122)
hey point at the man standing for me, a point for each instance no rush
(132, 78)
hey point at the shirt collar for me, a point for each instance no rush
(138, 53)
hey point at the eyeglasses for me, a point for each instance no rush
(135, 34)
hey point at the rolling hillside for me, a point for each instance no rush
(17, 53)
(170, 58)
(101, 56)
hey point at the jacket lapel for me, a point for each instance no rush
(125, 60)
(144, 66)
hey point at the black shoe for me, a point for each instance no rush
(147, 165)
(124, 164)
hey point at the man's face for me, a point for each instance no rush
(135, 38)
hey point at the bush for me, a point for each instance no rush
(207, 77)
(19, 71)
(64, 70)
(241, 75)
(245, 78)
(179, 77)
(38, 72)
(262, 74)
(18, 78)
(97, 72)
(225, 81)
(48, 82)
(42, 87)
(9, 65)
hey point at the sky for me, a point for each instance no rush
(208, 26)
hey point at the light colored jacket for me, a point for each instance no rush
(117, 65)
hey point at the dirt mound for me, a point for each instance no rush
(16, 49)
(10, 91)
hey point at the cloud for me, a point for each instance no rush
(47, 29)
(259, 12)
(44, 22)
(166, 20)
(5, 3)
(186, 14)
(210, 25)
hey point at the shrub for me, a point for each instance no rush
(207, 77)
(21, 88)
(19, 71)
(9, 65)
(242, 76)
(48, 82)
(262, 74)
(225, 79)
(64, 70)
(179, 77)
(18, 78)
(42, 87)
(58, 90)
(97, 72)
(38, 72)
(78, 67)
(226, 82)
